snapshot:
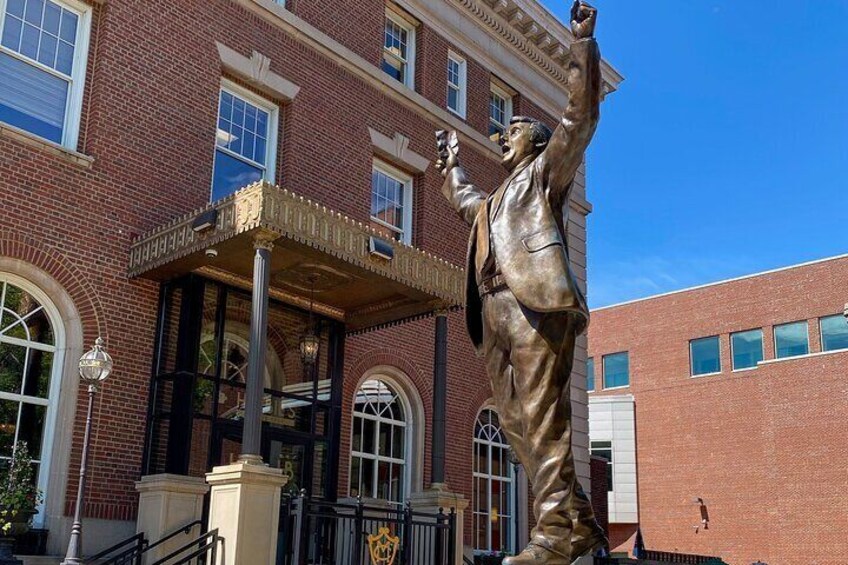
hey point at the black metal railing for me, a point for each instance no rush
(681, 558)
(132, 550)
(200, 551)
(317, 532)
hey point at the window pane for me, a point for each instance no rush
(8, 426)
(12, 30)
(355, 463)
(12, 365)
(39, 367)
(32, 427)
(32, 99)
(616, 370)
(453, 99)
(834, 331)
(791, 340)
(590, 374)
(747, 348)
(232, 174)
(705, 356)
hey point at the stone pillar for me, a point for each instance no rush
(255, 389)
(440, 384)
(166, 503)
(245, 509)
(431, 500)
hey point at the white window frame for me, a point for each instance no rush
(489, 477)
(821, 335)
(76, 88)
(774, 337)
(273, 127)
(409, 27)
(408, 439)
(692, 357)
(732, 355)
(461, 87)
(406, 179)
(52, 401)
(507, 96)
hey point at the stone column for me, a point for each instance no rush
(432, 500)
(167, 503)
(252, 438)
(440, 383)
(244, 507)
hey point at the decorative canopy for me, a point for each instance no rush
(357, 276)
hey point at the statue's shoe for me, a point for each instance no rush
(535, 554)
(598, 546)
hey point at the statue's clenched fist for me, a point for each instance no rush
(583, 18)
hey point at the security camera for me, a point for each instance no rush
(211, 253)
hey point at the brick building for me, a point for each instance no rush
(121, 121)
(722, 411)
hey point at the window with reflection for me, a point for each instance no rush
(616, 370)
(494, 491)
(399, 49)
(590, 374)
(705, 355)
(834, 332)
(747, 349)
(379, 443)
(27, 352)
(791, 340)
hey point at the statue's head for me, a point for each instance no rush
(524, 139)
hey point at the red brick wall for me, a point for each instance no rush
(149, 119)
(764, 448)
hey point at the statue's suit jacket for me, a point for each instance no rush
(525, 220)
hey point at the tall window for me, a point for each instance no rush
(603, 449)
(245, 141)
(391, 202)
(399, 49)
(456, 84)
(834, 332)
(747, 349)
(43, 50)
(494, 493)
(28, 350)
(791, 340)
(590, 374)
(500, 111)
(616, 370)
(379, 446)
(706, 356)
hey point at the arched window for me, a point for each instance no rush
(378, 463)
(28, 351)
(494, 490)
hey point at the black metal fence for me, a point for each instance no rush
(681, 558)
(317, 532)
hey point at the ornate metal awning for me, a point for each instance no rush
(357, 276)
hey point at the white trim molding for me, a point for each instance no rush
(396, 150)
(257, 71)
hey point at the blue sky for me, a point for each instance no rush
(725, 151)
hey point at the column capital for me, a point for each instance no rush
(265, 240)
(442, 309)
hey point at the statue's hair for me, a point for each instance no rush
(540, 134)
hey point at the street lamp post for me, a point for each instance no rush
(94, 367)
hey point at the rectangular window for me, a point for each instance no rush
(245, 141)
(500, 112)
(791, 340)
(746, 348)
(391, 202)
(834, 332)
(603, 449)
(456, 84)
(399, 49)
(706, 356)
(616, 370)
(590, 374)
(43, 52)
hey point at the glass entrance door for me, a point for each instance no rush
(293, 456)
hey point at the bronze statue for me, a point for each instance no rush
(524, 310)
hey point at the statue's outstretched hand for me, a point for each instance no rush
(448, 148)
(583, 18)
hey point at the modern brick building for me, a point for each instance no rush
(125, 129)
(722, 409)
